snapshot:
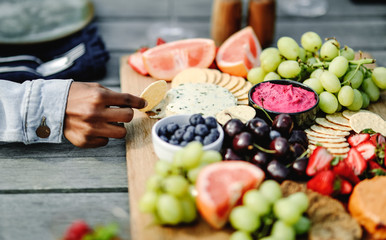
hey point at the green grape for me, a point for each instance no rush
(169, 209)
(379, 77)
(369, 87)
(302, 226)
(289, 69)
(176, 185)
(272, 76)
(283, 231)
(338, 66)
(268, 51)
(256, 201)
(302, 54)
(163, 167)
(315, 84)
(346, 96)
(348, 53)
(241, 218)
(271, 190)
(288, 47)
(311, 41)
(211, 156)
(339, 107)
(366, 100)
(328, 102)
(269, 238)
(330, 82)
(189, 212)
(192, 155)
(329, 49)
(311, 61)
(153, 183)
(270, 62)
(286, 211)
(193, 174)
(300, 199)
(178, 158)
(358, 101)
(148, 202)
(256, 75)
(240, 235)
(354, 78)
(316, 73)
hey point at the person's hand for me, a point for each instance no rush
(92, 111)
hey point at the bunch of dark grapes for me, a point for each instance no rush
(277, 148)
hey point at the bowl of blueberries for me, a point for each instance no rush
(172, 133)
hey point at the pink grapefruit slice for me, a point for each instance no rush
(220, 186)
(166, 60)
(239, 53)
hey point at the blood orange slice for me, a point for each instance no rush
(166, 60)
(136, 62)
(239, 53)
(220, 187)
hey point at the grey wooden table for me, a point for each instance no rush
(44, 187)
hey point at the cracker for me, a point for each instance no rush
(329, 131)
(325, 123)
(153, 94)
(243, 102)
(189, 75)
(335, 151)
(232, 83)
(240, 85)
(242, 112)
(364, 120)
(225, 78)
(326, 140)
(330, 145)
(211, 76)
(244, 90)
(310, 132)
(338, 118)
(348, 113)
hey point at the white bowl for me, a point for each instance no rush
(165, 151)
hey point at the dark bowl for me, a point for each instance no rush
(302, 119)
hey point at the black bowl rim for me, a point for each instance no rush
(284, 82)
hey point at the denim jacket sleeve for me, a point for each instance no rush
(24, 107)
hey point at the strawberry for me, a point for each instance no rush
(160, 41)
(319, 160)
(345, 187)
(367, 150)
(136, 62)
(324, 182)
(356, 139)
(375, 169)
(77, 230)
(343, 170)
(356, 161)
(377, 138)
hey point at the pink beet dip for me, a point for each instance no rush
(283, 98)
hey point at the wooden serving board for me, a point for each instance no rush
(141, 158)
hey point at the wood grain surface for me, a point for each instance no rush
(141, 158)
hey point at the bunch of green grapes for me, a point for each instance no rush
(266, 215)
(169, 192)
(326, 67)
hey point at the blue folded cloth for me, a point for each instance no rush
(89, 67)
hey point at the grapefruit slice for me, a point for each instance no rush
(239, 53)
(166, 60)
(136, 62)
(220, 186)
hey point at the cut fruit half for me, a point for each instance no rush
(166, 60)
(220, 186)
(239, 53)
(136, 62)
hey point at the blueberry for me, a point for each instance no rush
(173, 138)
(211, 122)
(183, 143)
(164, 138)
(198, 138)
(171, 127)
(174, 142)
(184, 126)
(201, 129)
(190, 128)
(188, 136)
(196, 119)
(162, 131)
(274, 134)
(179, 133)
(215, 132)
(210, 139)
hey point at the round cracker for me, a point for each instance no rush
(309, 132)
(242, 112)
(364, 120)
(243, 102)
(329, 131)
(325, 123)
(338, 118)
(211, 76)
(153, 94)
(244, 90)
(335, 151)
(232, 83)
(189, 75)
(330, 145)
(225, 78)
(348, 113)
(239, 85)
(326, 140)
